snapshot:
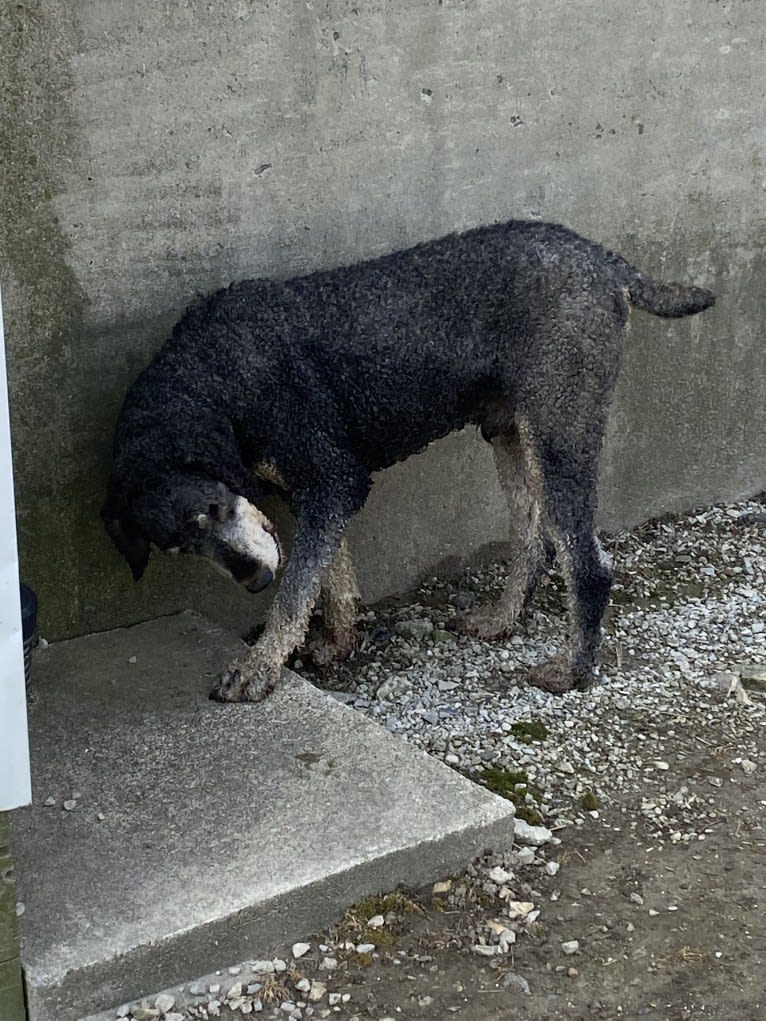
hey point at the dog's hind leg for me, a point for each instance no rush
(339, 597)
(568, 475)
(320, 526)
(528, 559)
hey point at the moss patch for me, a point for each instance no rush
(528, 731)
(589, 802)
(354, 925)
(514, 786)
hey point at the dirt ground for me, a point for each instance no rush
(666, 932)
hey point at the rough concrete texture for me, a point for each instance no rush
(154, 150)
(205, 834)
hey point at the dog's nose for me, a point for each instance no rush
(260, 581)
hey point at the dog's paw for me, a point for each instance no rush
(558, 676)
(240, 684)
(487, 623)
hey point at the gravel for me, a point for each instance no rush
(684, 647)
(683, 661)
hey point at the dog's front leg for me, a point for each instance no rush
(339, 596)
(317, 541)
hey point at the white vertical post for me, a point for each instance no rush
(15, 784)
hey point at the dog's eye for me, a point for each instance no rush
(220, 512)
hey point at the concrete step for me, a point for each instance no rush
(206, 834)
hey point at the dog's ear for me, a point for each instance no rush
(131, 542)
(124, 532)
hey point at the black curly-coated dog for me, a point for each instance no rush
(310, 385)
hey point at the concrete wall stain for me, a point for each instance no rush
(42, 299)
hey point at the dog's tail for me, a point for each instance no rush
(671, 301)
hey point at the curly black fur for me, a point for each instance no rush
(329, 377)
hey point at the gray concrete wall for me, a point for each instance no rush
(151, 150)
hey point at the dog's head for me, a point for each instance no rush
(192, 515)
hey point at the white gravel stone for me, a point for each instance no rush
(500, 875)
(520, 908)
(487, 951)
(570, 946)
(318, 990)
(300, 950)
(535, 836)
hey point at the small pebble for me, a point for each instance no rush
(514, 981)
(318, 990)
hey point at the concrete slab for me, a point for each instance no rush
(205, 834)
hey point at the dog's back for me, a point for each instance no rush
(397, 351)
